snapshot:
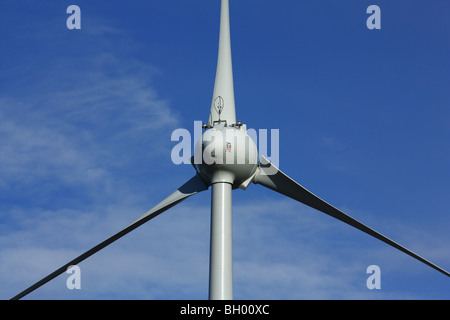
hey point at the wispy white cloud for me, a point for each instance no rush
(282, 250)
(69, 149)
(76, 133)
(289, 251)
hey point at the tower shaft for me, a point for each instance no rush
(221, 264)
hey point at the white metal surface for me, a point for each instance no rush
(222, 106)
(221, 260)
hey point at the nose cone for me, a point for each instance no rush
(228, 155)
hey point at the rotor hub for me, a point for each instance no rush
(228, 154)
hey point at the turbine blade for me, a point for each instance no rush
(193, 186)
(222, 106)
(273, 178)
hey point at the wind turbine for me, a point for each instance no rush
(226, 158)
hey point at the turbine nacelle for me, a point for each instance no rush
(226, 154)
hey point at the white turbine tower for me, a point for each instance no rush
(226, 158)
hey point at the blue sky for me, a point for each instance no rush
(86, 118)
